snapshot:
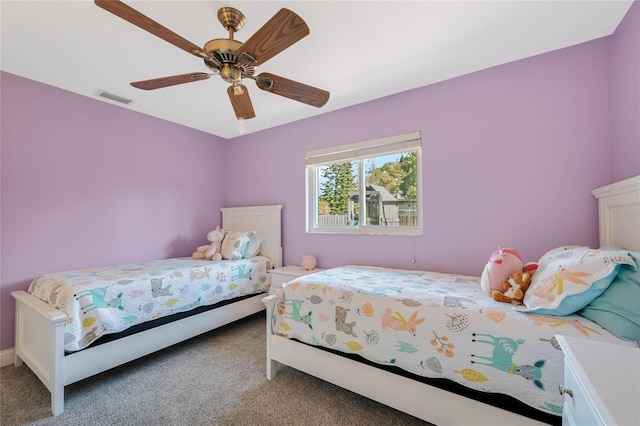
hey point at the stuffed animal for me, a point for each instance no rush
(515, 287)
(308, 262)
(530, 267)
(211, 251)
(201, 251)
(502, 263)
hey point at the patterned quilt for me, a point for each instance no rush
(433, 325)
(108, 300)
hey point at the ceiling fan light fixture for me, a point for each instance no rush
(230, 74)
(242, 128)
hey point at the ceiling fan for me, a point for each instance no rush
(231, 59)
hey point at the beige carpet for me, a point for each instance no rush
(214, 379)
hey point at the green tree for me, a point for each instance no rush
(409, 181)
(339, 181)
(387, 176)
(399, 177)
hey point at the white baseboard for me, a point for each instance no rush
(6, 357)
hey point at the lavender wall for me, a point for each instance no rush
(626, 108)
(510, 155)
(86, 184)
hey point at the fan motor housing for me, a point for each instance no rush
(224, 51)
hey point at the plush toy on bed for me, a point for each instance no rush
(211, 251)
(515, 287)
(530, 267)
(502, 263)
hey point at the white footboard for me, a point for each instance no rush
(40, 344)
(40, 341)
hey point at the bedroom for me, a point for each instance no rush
(105, 193)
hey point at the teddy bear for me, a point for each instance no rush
(516, 285)
(211, 251)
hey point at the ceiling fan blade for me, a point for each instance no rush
(241, 102)
(281, 31)
(292, 89)
(136, 18)
(158, 83)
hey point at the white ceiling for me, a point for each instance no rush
(357, 50)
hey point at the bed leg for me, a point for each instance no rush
(17, 361)
(270, 302)
(57, 375)
(271, 368)
(57, 401)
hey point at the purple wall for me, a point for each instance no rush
(510, 155)
(626, 86)
(86, 183)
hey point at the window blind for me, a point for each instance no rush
(365, 149)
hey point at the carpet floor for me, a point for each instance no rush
(217, 378)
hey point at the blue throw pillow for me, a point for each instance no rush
(618, 308)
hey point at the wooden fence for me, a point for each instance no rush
(343, 220)
(333, 220)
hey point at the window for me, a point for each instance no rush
(371, 187)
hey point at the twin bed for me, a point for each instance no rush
(437, 347)
(432, 345)
(145, 307)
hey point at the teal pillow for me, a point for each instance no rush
(618, 308)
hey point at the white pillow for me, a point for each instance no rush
(569, 278)
(254, 245)
(235, 245)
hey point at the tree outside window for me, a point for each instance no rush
(386, 203)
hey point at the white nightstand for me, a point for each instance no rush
(601, 383)
(279, 276)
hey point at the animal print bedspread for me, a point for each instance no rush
(109, 300)
(433, 325)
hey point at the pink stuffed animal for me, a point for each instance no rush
(502, 263)
(308, 262)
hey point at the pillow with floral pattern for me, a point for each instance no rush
(235, 244)
(569, 278)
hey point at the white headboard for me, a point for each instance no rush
(264, 219)
(619, 211)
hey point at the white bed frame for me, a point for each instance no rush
(40, 328)
(619, 206)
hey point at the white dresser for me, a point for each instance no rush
(279, 276)
(601, 383)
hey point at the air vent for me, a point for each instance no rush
(114, 98)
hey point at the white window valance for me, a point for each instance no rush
(365, 149)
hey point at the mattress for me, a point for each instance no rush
(433, 325)
(108, 300)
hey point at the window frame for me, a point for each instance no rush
(360, 152)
